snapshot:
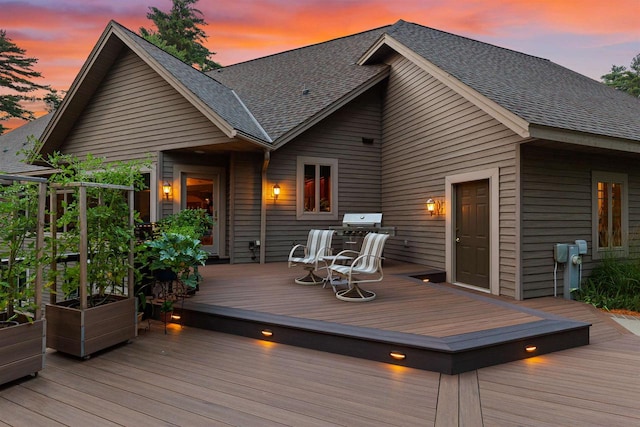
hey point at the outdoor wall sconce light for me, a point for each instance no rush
(434, 207)
(276, 191)
(267, 332)
(397, 355)
(166, 189)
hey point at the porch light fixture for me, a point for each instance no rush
(166, 189)
(266, 332)
(276, 191)
(397, 355)
(530, 348)
(433, 207)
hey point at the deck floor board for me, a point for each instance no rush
(192, 377)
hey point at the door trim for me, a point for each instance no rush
(178, 170)
(493, 175)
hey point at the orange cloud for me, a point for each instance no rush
(61, 34)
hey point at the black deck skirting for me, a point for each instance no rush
(449, 355)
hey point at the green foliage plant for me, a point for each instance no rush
(625, 79)
(19, 217)
(109, 232)
(16, 81)
(190, 222)
(613, 284)
(178, 253)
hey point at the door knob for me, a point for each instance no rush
(457, 240)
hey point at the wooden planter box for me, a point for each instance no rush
(22, 350)
(84, 332)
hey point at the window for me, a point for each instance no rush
(142, 200)
(610, 223)
(317, 188)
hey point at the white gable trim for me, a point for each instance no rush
(506, 117)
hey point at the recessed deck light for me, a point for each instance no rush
(397, 355)
(267, 332)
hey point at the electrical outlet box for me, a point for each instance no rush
(582, 246)
(561, 252)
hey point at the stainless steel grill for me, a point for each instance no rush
(359, 224)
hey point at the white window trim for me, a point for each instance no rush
(319, 161)
(602, 176)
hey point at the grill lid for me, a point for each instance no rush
(362, 220)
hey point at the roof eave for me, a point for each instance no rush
(330, 109)
(584, 139)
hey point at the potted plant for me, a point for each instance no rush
(93, 235)
(22, 349)
(173, 256)
(193, 223)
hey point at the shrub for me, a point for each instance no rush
(614, 284)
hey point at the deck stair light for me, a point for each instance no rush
(397, 355)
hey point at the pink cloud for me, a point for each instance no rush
(61, 34)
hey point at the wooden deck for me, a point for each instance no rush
(437, 327)
(194, 377)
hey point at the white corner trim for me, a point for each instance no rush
(493, 175)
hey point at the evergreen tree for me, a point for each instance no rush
(53, 99)
(179, 33)
(626, 80)
(16, 74)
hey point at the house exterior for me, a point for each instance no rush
(517, 152)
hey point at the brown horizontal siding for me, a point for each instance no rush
(337, 137)
(247, 190)
(556, 207)
(430, 132)
(135, 112)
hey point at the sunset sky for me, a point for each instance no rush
(587, 36)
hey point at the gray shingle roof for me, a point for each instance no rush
(272, 87)
(535, 89)
(219, 98)
(16, 140)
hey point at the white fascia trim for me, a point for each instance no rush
(255, 121)
(585, 139)
(77, 82)
(495, 110)
(218, 121)
(373, 49)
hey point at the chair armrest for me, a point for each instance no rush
(346, 252)
(325, 251)
(296, 247)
